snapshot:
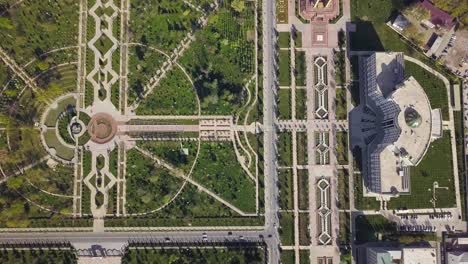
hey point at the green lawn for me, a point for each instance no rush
(433, 86)
(53, 115)
(301, 104)
(286, 229)
(304, 235)
(343, 189)
(436, 166)
(288, 257)
(341, 104)
(345, 228)
(284, 149)
(284, 62)
(304, 257)
(302, 148)
(297, 39)
(342, 147)
(300, 68)
(361, 202)
(303, 184)
(284, 104)
(62, 151)
(285, 185)
(459, 137)
(284, 39)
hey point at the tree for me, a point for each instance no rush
(238, 5)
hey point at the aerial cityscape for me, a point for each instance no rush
(234, 131)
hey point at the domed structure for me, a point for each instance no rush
(412, 117)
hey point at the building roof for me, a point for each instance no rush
(401, 22)
(438, 16)
(419, 256)
(396, 123)
(457, 257)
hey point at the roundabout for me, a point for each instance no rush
(102, 128)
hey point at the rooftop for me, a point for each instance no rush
(438, 16)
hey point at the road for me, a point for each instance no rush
(269, 112)
(114, 241)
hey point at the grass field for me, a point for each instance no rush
(54, 114)
(301, 104)
(342, 147)
(304, 235)
(303, 184)
(433, 86)
(361, 202)
(284, 149)
(459, 137)
(284, 39)
(345, 228)
(297, 39)
(284, 104)
(284, 62)
(343, 189)
(436, 166)
(300, 68)
(62, 151)
(285, 182)
(341, 104)
(302, 148)
(288, 257)
(286, 229)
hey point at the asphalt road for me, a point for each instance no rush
(269, 106)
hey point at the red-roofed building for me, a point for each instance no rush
(438, 17)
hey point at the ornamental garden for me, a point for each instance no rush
(129, 114)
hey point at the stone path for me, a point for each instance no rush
(103, 76)
(124, 45)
